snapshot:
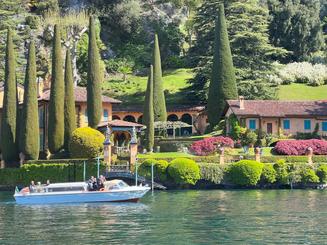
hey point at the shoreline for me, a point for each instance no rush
(206, 186)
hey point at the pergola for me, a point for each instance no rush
(164, 126)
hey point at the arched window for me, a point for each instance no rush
(129, 118)
(172, 118)
(115, 117)
(187, 118)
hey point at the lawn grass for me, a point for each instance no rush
(133, 89)
(297, 91)
(266, 151)
(165, 155)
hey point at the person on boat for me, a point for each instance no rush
(92, 184)
(32, 186)
(48, 182)
(100, 182)
(95, 184)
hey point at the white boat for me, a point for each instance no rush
(77, 192)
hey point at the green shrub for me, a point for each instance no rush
(322, 173)
(86, 143)
(289, 159)
(212, 172)
(245, 172)
(184, 171)
(308, 176)
(269, 174)
(44, 172)
(55, 172)
(160, 170)
(144, 169)
(282, 171)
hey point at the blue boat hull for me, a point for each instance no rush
(81, 197)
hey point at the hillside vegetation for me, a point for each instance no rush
(132, 90)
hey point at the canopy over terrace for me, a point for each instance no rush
(121, 130)
(171, 126)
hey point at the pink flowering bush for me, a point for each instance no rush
(299, 147)
(208, 146)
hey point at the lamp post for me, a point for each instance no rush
(107, 149)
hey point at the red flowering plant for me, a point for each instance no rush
(208, 146)
(300, 147)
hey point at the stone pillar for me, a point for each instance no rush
(310, 155)
(2, 162)
(107, 156)
(133, 148)
(107, 149)
(48, 154)
(221, 151)
(133, 154)
(257, 154)
(21, 159)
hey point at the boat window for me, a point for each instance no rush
(122, 184)
(72, 188)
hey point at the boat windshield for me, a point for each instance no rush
(115, 185)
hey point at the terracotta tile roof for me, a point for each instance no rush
(120, 123)
(81, 96)
(275, 108)
(170, 108)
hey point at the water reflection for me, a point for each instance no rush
(178, 217)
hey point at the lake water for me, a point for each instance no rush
(174, 217)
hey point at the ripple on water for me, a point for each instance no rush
(176, 217)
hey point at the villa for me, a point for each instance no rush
(192, 115)
(80, 94)
(112, 111)
(270, 116)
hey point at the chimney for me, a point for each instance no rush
(241, 100)
(40, 87)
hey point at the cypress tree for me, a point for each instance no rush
(56, 105)
(70, 114)
(8, 120)
(94, 94)
(148, 116)
(30, 142)
(223, 83)
(159, 103)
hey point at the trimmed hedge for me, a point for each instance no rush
(269, 174)
(245, 172)
(322, 173)
(58, 172)
(281, 169)
(159, 169)
(184, 171)
(308, 176)
(299, 147)
(289, 159)
(144, 169)
(86, 143)
(212, 172)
